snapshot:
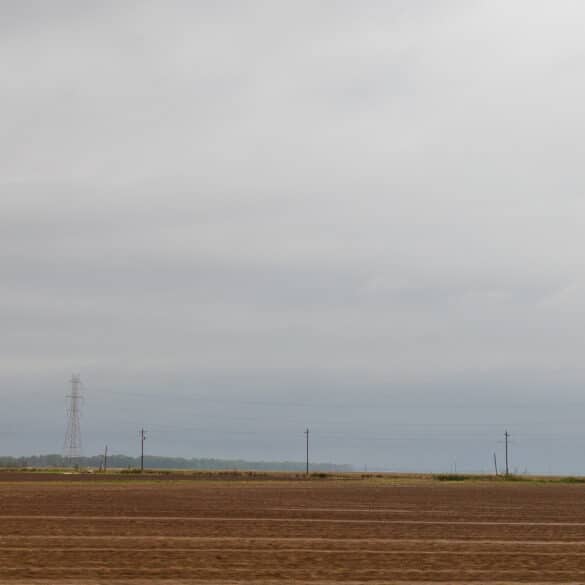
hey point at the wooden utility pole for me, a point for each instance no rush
(307, 436)
(506, 436)
(142, 439)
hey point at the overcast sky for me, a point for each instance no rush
(239, 219)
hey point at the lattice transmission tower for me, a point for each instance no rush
(72, 445)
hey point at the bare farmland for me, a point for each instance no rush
(62, 529)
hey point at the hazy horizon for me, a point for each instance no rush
(237, 220)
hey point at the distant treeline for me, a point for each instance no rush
(154, 462)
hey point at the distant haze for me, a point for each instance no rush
(240, 219)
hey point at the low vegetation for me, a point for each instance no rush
(174, 463)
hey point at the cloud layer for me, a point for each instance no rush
(238, 203)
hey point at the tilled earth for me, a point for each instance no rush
(60, 529)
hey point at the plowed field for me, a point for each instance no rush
(60, 529)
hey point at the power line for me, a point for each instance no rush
(412, 435)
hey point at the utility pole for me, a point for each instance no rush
(142, 439)
(106, 459)
(506, 436)
(307, 436)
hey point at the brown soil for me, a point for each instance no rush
(59, 529)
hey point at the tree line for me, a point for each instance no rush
(158, 462)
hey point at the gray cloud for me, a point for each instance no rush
(373, 211)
